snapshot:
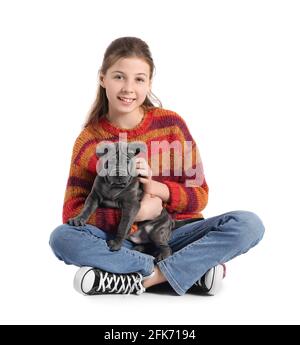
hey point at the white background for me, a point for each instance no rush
(230, 69)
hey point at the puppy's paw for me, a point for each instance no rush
(77, 221)
(114, 244)
(139, 248)
(163, 256)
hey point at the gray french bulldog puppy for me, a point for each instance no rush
(117, 186)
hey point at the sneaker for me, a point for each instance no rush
(93, 281)
(211, 281)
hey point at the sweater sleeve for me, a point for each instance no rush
(189, 194)
(79, 185)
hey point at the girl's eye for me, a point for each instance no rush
(120, 76)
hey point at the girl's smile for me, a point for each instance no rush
(126, 101)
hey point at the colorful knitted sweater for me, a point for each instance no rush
(188, 194)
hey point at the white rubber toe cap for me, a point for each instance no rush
(84, 280)
(213, 279)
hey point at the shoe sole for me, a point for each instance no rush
(80, 276)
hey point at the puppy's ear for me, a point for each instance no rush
(136, 147)
(105, 148)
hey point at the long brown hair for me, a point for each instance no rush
(123, 47)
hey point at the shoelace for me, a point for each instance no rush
(122, 283)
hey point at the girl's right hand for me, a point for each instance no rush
(151, 207)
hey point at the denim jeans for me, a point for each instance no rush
(196, 248)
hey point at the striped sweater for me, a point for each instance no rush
(170, 165)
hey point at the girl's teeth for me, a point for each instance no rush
(126, 100)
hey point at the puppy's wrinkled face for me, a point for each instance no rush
(119, 167)
(116, 163)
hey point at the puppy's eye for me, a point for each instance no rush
(137, 151)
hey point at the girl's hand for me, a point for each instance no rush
(151, 207)
(142, 168)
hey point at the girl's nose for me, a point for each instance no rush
(127, 88)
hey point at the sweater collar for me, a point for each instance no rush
(139, 129)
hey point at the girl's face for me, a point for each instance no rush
(127, 83)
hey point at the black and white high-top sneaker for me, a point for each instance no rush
(210, 283)
(93, 281)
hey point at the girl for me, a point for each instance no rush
(124, 106)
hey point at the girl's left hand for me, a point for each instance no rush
(143, 169)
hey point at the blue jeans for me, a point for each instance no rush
(196, 248)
